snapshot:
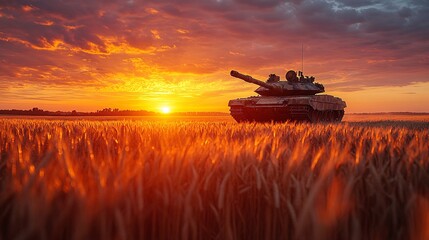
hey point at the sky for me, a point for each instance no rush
(89, 55)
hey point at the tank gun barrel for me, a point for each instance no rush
(249, 79)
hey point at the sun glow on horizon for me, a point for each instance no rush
(165, 109)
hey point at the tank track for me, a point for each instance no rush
(285, 113)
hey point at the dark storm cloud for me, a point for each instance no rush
(366, 37)
(357, 3)
(261, 3)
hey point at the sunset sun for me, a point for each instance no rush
(165, 109)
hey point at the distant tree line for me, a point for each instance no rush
(105, 112)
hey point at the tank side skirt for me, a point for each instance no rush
(281, 113)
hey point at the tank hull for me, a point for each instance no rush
(310, 108)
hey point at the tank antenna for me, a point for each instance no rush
(302, 58)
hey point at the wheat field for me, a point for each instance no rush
(134, 179)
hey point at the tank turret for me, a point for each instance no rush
(293, 85)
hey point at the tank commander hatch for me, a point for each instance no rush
(273, 78)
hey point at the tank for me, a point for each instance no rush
(295, 99)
